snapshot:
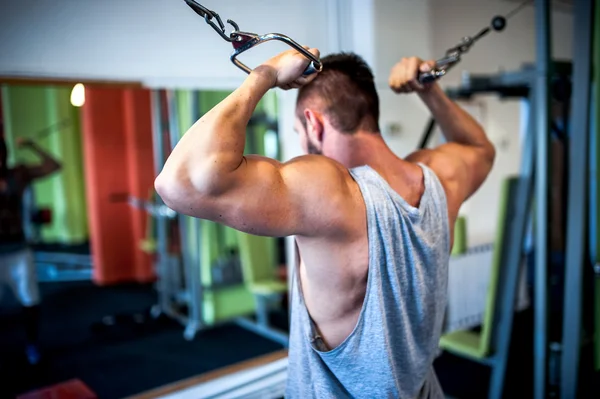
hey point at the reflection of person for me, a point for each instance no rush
(374, 230)
(17, 269)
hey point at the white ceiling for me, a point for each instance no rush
(561, 5)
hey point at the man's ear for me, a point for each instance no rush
(314, 124)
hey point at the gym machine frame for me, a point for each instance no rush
(579, 257)
(175, 288)
(519, 84)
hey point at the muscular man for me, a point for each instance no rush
(17, 269)
(374, 231)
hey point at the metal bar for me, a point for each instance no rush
(262, 311)
(48, 272)
(252, 40)
(507, 84)
(542, 19)
(195, 282)
(512, 255)
(64, 258)
(576, 256)
(193, 324)
(427, 134)
(161, 223)
(595, 221)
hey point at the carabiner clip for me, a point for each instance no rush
(441, 68)
(244, 41)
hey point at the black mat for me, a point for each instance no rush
(119, 361)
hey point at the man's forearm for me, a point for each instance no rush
(214, 146)
(48, 161)
(456, 124)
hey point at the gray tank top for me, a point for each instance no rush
(390, 352)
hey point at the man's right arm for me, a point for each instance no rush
(468, 155)
(48, 166)
(464, 162)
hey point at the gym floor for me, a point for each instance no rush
(119, 361)
(131, 358)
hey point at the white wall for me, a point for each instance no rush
(162, 42)
(402, 29)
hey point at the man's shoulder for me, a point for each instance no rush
(441, 163)
(316, 169)
(312, 160)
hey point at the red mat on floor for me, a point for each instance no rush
(73, 389)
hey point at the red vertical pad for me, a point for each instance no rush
(140, 170)
(107, 185)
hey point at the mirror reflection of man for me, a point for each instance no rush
(17, 269)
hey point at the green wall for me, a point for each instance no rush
(32, 112)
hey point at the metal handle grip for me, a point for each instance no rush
(250, 40)
(441, 68)
(431, 76)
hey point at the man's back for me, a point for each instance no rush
(389, 351)
(317, 200)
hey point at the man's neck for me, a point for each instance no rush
(364, 148)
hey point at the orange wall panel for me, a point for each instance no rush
(118, 162)
(140, 168)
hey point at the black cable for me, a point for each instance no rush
(517, 10)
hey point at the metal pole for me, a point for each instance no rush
(595, 219)
(542, 17)
(577, 210)
(427, 134)
(161, 222)
(192, 324)
(196, 268)
(513, 255)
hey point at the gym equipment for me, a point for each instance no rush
(487, 346)
(453, 54)
(262, 282)
(54, 128)
(244, 41)
(594, 195)
(506, 85)
(460, 236)
(178, 283)
(491, 346)
(207, 273)
(542, 166)
(578, 258)
(52, 264)
(556, 363)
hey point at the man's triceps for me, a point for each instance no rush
(302, 197)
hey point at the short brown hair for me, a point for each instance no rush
(347, 87)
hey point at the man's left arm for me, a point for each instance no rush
(46, 167)
(208, 176)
